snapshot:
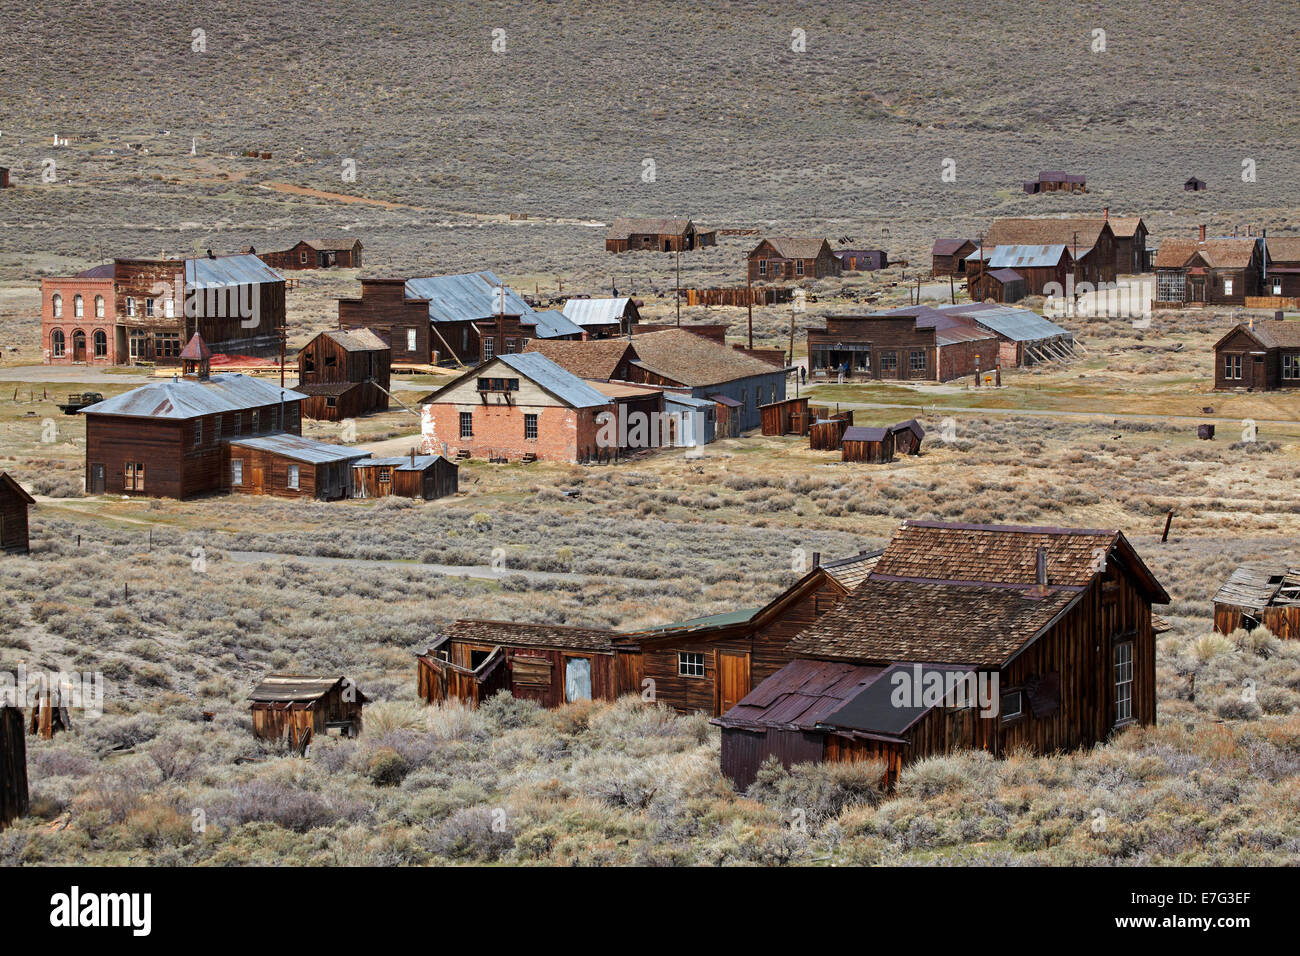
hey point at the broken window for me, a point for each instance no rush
(476, 659)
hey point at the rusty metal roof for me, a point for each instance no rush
(190, 398)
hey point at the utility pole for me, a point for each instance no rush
(1076, 270)
(749, 296)
(679, 283)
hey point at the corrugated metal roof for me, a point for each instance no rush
(689, 401)
(1025, 257)
(189, 398)
(465, 296)
(801, 695)
(874, 708)
(596, 311)
(300, 449)
(562, 384)
(226, 271)
(550, 324)
(957, 333)
(1018, 325)
(401, 463)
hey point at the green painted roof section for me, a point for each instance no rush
(712, 620)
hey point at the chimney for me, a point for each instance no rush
(1040, 577)
(1105, 212)
(1202, 232)
(412, 457)
(817, 559)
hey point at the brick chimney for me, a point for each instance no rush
(1105, 212)
(1202, 232)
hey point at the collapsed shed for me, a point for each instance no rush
(1254, 597)
(295, 709)
(907, 437)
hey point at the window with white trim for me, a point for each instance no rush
(56, 303)
(1227, 286)
(1123, 682)
(99, 306)
(1012, 705)
(690, 664)
(410, 340)
(292, 482)
(78, 307)
(236, 472)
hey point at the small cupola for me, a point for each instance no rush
(196, 359)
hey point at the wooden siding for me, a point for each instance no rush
(439, 680)
(290, 721)
(437, 481)
(13, 766)
(13, 521)
(267, 473)
(323, 361)
(1284, 622)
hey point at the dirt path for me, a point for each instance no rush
(480, 572)
(334, 197)
(930, 409)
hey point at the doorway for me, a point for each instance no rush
(96, 479)
(78, 346)
(577, 679)
(733, 679)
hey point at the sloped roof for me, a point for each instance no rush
(514, 634)
(693, 360)
(1275, 333)
(623, 227)
(327, 388)
(723, 619)
(295, 688)
(357, 340)
(187, 398)
(465, 296)
(1125, 227)
(1046, 230)
(1010, 322)
(949, 247)
(959, 333)
(852, 571)
(332, 245)
(911, 425)
(564, 385)
(801, 695)
(863, 433)
(793, 247)
(9, 481)
(596, 358)
(105, 271)
(1256, 588)
(196, 350)
(300, 448)
(1228, 253)
(1006, 275)
(223, 272)
(550, 323)
(586, 312)
(403, 462)
(1284, 250)
(1026, 257)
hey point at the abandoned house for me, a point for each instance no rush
(344, 374)
(413, 476)
(1024, 337)
(861, 260)
(1057, 181)
(998, 285)
(294, 709)
(170, 439)
(1090, 243)
(1259, 597)
(14, 800)
(549, 663)
(1131, 255)
(948, 256)
(291, 466)
(1050, 627)
(517, 406)
(14, 502)
(655, 235)
(453, 319)
(1259, 355)
(782, 259)
(1036, 266)
(911, 343)
(602, 318)
(1282, 271)
(1194, 185)
(601, 360)
(142, 311)
(1191, 272)
(314, 254)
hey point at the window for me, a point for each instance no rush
(888, 361)
(99, 306)
(1012, 705)
(1123, 682)
(762, 267)
(1277, 286)
(798, 266)
(101, 343)
(256, 417)
(169, 308)
(198, 433)
(130, 306)
(917, 361)
(689, 664)
(239, 423)
(78, 307)
(1227, 286)
(489, 348)
(385, 476)
(1291, 365)
(56, 303)
(510, 346)
(134, 476)
(577, 679)
(331, 401)
(1232, 366)
(58, 345)
(410, 340)
(216, 430)
(275, 419)
(148, 307)
(331, 361)
(167, 344)
(236, 471)
(302, 258)
(292, 481)
(530, 427)
(466, 424)
(498, 385)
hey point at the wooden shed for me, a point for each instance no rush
(292, 466)
(788, 417)
(998, 285)
(14, 502)
(295, 709)
(907, 437)
(874, 445)
(1256, 596)
(948, 256)
(826, 433)
(1194, 185)
(552, 664)
(13, 766)
(416, 476)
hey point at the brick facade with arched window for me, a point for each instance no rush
(78, 321)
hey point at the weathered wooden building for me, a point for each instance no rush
(861, 260)
(1024, 337)
(788, 417)
(998, 285)
(1090, 243)
(1037, 267)
(295, 709)
(785, 258)
(170, 439)
(1016, 637)
(917, 343)
(1131, 255)
(314, 254)
(549, 663)
(1194, 185)
(826, 433)
(357, 358)
(907, 437)
(414, 476)
(1259, 597)
(1282, 270)
(602, 318)
(1192, 272)
(948, 256)
(1057, 181)
(13, 765)
(291, 466)
(1259, 355)
(4, 177)
(14, 502)
(601, 360)
(867, 445)
(655, 235)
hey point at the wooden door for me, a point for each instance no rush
(259, 479)
(733, 680)
(96, 479)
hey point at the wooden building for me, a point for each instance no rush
(654, 235)
(1260, 355)
(783, 259)
(709, 664)
(1282, 271)
(1197, 272)
(551, 664)
(315, 254)
(4, 177)
(1131, 255)
(1032, 641)
(601, 360)
(294, 709)
(1259, 597)
(414, 476)
(826, 429)
(788, 417)
(1024, 337)
(170, 439)
(861, 260)
(948, 256)
(1037, 267)
(1057, 181)
(917, 343)
(998, 285)
(14, 502)
(603, 318)
(357, 358)
(13, 765)
(869, 445)
(291, 466)
(907, 437)
(1194, 185)
(1090, 243)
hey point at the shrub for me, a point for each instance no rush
(476, 833)
(387, 768)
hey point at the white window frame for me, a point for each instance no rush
(1227, 285)
(236, 472)
(464, 419)
(99, 306)
(410, 340)
(690, 664)
(762, 267)
(56, 305)
(130, 306)
(78, 307)
(1122, 657)
(291, 478)
(1019, 697)
(530, 418)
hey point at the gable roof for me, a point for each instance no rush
(403, 462)
(1026, 257)
(465, 296)
(596, 358)
(624, 226)
(186, 398)
(356, 340)
(9, 481)
(333, 245)
(852, 571)
(224, 272)
(295, 689)
(801, 695)
(1125, 227)
(695, 361)
(793, 247)
(549, 323)
(1269, 333)
(300, 448)
(911, 425)
(1227, 253)
(949, 247)
(539, 370)
(1256, 588)
(585, 312)
(863, 433)
(513, 634)
(1285, 249)
(1046, 230)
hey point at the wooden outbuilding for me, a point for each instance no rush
(13, 765)
(332, 360)
(654, 235)
(4, 177)
(998, 285)
(861, 260)
(826, 433)
(1015, 638)
(315, 254)
(1057, 181)
(871, 445)
(1261, 355)
(1194, 185)
(291, 466)
(907, 437)
(415, 476)
(1259, 597)
(14, 502)
(549, 663)
(295, 709)
(789, 417)
(948, 256)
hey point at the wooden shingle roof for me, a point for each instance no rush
(295, 688)
(595, 359)
(1219, 253)
(693, 360)
(513, 634)
(850, 572)
(623, 227)
(1042, 231)
(1285, 250)
(793, 247)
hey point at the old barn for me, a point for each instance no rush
(998, 285)
(1036, 266)
(295, 709)
(653, 235)
(1024, 337)
(602, 318)
(344, 374)
(14, 502)
(413, 476)
(1259, 597)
